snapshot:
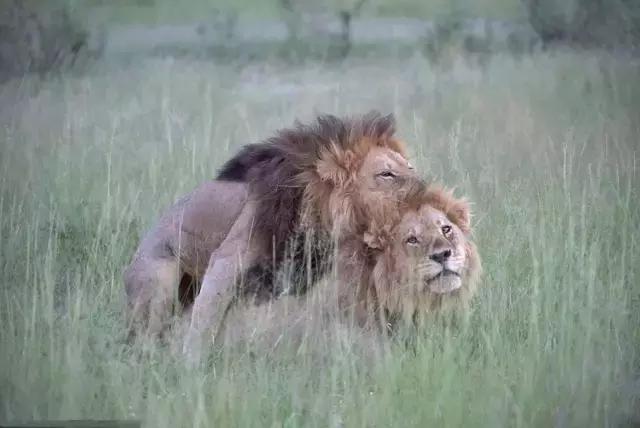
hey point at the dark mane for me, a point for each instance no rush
(305, 141)
(250, 156)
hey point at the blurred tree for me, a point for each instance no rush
(347, 9)
(292, 18)
(37, 36)
(552, 19)
(344, 10)
(589, 22)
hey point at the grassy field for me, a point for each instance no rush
(546, 147)
(169, 12)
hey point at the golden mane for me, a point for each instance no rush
(373, 291)
(456, 209)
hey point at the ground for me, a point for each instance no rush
(545, 146)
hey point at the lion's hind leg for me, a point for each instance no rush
(151, 285)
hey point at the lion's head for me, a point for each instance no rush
(352, 181)
(424, 260)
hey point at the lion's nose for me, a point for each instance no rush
(441, 256)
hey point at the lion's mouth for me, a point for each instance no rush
(445, 282)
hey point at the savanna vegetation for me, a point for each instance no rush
(545, 144)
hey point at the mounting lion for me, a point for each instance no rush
(317, 183)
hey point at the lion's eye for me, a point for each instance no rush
(446, 230)
(387, 174)
(412, 240)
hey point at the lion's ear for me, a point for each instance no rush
(459, 212)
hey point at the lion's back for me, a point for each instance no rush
(195, 224)
(251, 158)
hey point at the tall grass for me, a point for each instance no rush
(546, 147)
(167, 12)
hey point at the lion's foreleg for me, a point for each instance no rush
(236, 253)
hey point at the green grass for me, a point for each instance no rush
(545, 147)
(170, 12)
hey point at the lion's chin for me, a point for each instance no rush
(445, 282)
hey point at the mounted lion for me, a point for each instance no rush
(414, 261)
(324, 180)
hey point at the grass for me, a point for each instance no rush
(166, 11)
(546, 147)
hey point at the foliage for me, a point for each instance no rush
(545, 146)
(37, 36)
(594, 22)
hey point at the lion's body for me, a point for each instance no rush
(177, 248)
(328, 179)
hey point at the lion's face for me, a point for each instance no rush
(432, 251)
(384, 170)
(362, 183)
(427, 263)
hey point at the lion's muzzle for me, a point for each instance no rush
(445, 282)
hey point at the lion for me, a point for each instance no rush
(323, 180)
(415, 261)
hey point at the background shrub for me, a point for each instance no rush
(38, 36)
(590, 22)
